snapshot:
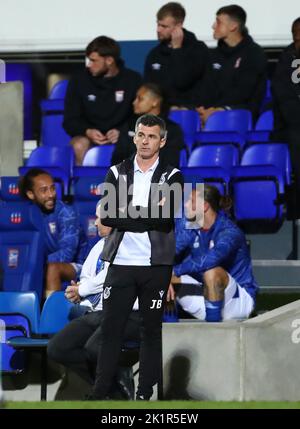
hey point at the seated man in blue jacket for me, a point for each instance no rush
(65, 241)
(214, 252)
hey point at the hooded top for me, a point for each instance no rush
(237, 76)
(179, 72)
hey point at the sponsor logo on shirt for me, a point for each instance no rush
(162, 179)
(106, 293)
(217, 66)
(237, 63)
(52, 227)
(119, 96)
(156, 66)
(91, 97)
(211, 244)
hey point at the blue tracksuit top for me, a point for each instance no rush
(64, 238)
(223, 245)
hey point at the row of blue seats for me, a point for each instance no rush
(233, 125)
(26, 328)
(59, 161)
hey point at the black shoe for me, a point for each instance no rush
(125, 382)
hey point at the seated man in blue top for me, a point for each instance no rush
(65, 242)
(215, 253)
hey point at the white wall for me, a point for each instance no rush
(36, 25)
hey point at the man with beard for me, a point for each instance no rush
(99, 100)
(65, 242)
(178, 63)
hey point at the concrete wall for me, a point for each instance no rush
(11, 128)
(254, 360)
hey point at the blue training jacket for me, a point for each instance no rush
(64, 238)
(223, 245)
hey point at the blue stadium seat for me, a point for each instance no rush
(21, 247)
(20, 313)
(263, 127)
(276, 154)
(189, 122)
(183, 158)
(55, 313)
(59, 90)
(238, 120)
(215, 176)
(9, 189)
(258, 196)
(99, 156)
(25, 304)
(52, 131)
(57, 161)
(86, 196)
(224, 156)
(54, 317)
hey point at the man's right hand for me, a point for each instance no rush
(72, 294)
(96, 136)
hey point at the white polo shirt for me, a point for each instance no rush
(135, 247)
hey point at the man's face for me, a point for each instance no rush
(165, 27)
(96, 64)
(148, 141)
(195, 206)
(43, 192)
(144, 102)
(223, 26)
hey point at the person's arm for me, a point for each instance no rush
(286, 93)
(68, 236)
(188, 65)
(247, 81)
(75, 122)
(91, 283)
(227, 243)
(144, 222)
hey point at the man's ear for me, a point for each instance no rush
(163, 142)
(134, 139)
(30, 195)
(109, 60)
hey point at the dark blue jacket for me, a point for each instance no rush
(64, 238)
(223, 245)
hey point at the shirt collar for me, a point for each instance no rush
(137, 168)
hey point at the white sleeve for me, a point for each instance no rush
(90, 283)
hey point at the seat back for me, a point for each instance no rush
(99, 156)
(239, 120)
(265, 121)
(21, 247)
(57, 161)
(215, 176)
(189, 122)
(55, 313)
(52, 130)
(17, 304)
(86, 196)
(276, 154)
(59, 90)
(9, 189)
(224, 156)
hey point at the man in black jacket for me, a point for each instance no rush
(286, 108)
(99, 100)
(139, 205)
(238, 66)
(178, 63)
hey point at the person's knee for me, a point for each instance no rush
(216, 279)
(56, 351)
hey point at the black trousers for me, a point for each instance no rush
(76, 345)
(122, 285)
